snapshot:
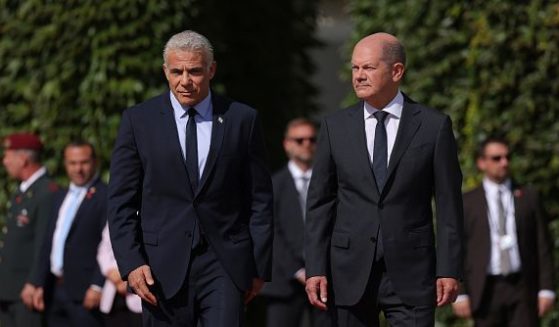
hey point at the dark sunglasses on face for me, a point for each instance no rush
(498, 158)
(300, 140)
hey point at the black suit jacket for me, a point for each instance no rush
(289, 230)
(152, 206)
(345, 208)
(80, 250)
(533, 244)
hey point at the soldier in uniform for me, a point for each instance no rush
(24, 228)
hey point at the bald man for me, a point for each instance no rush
(370, 240)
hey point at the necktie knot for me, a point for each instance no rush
(192, 112)
(380, 116)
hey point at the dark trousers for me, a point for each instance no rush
(288, 311)
(504, 304)
(15, 314)
(380, 296)
(66, 312)
(208, 296)
(121, 316)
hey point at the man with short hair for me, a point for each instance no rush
(370, 236)
(69, 280)
(190, 199)
(22, 235)
(285, 296)
(509, 259)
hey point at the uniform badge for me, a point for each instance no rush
(22, 219)
(220, 119)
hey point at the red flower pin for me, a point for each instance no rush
(18, 199)
(518, 193)
(90, 193)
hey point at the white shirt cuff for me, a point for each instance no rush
(462, 297)
(548, 294)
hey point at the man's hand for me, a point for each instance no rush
(545, 305)
(462, 308)
(447, 291)
(26, 295)
(317, 291)
(38, 299)
(257, 284)
(91, 299)
(140, 279)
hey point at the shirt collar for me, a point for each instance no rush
(394, 107)
(296, 172)
(25, 185)
(492, 188)
(75, 188)
(203, 108)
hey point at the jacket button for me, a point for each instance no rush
(380, 205)
(373, 239)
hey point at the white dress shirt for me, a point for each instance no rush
(59, 234)
(299, 176)
(491, 196)
(203, 126)
(392, 121)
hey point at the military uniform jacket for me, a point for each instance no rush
(22, 236)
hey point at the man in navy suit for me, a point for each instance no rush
(369, 230)
(190, 199)
(69, 280)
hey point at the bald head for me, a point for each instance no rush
(377, 68)
(387, 44)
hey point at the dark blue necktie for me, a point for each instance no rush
(380, 150)
(191, 145)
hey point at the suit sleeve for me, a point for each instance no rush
(261, 203)
(448, 200)
(321, 207)
(124, 199)
(40, 267)
(545, 254)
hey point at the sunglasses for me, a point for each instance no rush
(300, 140)
(498, 158)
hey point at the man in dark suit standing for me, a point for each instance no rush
(190, 199)
(369, 231)
(69, 280)
(22, 235)
(508, 262)
(285, 296)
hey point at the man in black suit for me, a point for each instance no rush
(69, 280)
(369, 231)
(285, 296)
(508, 263)
(190, 199)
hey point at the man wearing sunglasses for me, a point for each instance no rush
(285, 296)
(508, 261)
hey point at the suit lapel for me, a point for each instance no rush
(519, 210)
(171, 137)
(409, 124)
(356, 133)
(218, 129)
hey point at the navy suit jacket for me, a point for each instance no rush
(345, 208)
(152, 206)
(81, 269)
(289, 230)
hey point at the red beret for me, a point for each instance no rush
(20, 141)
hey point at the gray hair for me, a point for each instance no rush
(190, 41)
